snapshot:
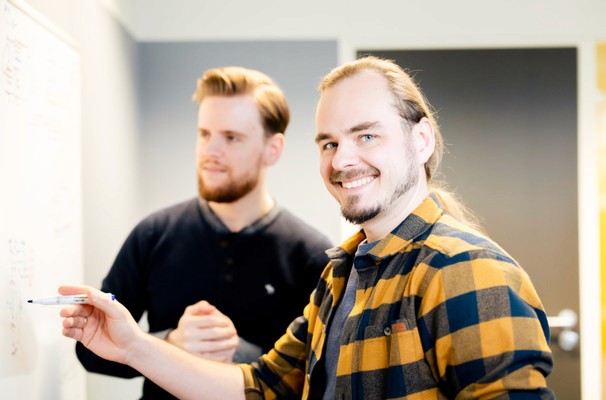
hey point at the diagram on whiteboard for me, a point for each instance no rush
(40, 205)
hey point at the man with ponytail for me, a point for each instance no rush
(419, 304)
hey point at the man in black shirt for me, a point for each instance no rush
(221, 275)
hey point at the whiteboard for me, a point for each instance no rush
(40, 204)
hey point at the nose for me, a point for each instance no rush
(210, 145)
(345, 156)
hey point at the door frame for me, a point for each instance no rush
(589, 223)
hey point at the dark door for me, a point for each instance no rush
(509, 118)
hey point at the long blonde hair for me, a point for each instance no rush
(412, 106)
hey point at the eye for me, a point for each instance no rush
(233, 137)
(329, 146)
(367, 137)
(203, 134)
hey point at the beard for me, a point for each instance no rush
(356, 215)
(233, 190)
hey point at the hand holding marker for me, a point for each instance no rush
(72, 299)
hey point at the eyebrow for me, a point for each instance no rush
(362, 126)
(224, 132)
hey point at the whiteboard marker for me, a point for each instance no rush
(73, 299)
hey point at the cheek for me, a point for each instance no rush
(198, 154)
(325, 167)
(199, 148)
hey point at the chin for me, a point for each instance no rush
(360, 216)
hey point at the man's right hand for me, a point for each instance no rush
(104, 326)
(206, 332)
(107, 328)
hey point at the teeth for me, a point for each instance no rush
(358, 183)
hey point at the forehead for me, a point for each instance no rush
(228, 110)
(362, 97)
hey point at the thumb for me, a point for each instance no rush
(202, 308)
(96, 298)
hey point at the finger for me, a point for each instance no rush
(224, 356)
(217, 333)
(209, 321)
(75, 322)
(192, 326)
(93, 294)
(96, 298)
(202, 307)
(73, 333)
(211, 346)
(73, 327)
(72, 289)
(74, 311)
(218, 313)
(197, 334)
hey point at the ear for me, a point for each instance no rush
(424, 139)
(273, 148)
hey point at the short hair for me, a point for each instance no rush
(235, 81)
(410, 101)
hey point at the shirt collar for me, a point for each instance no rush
(413, 226)
(253, 228)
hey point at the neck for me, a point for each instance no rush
(244, 211)
(381, 225)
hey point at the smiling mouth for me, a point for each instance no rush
(357, 183)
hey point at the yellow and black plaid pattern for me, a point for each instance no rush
(440, 312)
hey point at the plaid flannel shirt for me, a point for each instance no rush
(440, 312)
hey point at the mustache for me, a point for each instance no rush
(212, 163)
(340, 176)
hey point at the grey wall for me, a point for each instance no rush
(509, 118)
(168, 120)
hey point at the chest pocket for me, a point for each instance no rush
(404, 343)
(395, 349)
(395, 343)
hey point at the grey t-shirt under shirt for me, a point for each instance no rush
(335, 330)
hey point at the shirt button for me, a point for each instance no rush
(228, 277)
(387, 331)
(230, 261)
(223, 243)
(308, 377)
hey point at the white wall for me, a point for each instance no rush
(363, 24)
(110, 160)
